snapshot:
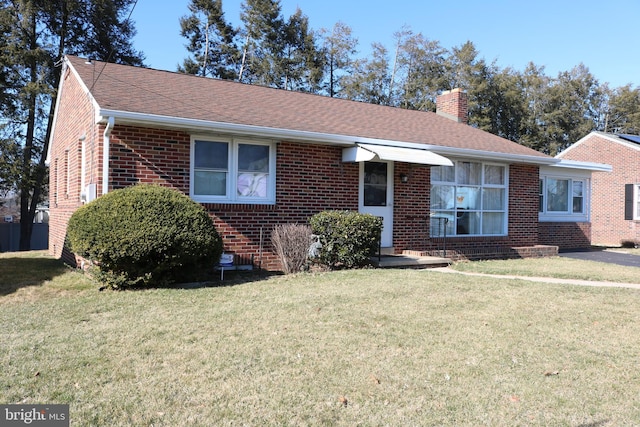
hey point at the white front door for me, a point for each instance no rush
(376, 195)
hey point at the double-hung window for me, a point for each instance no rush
(232, 171)
(562, 198)
(469, 198)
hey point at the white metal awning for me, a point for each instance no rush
(367, 152)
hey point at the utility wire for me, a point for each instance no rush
(135, 3)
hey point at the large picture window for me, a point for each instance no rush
(236, 171)
(468, 198)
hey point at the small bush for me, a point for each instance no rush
(348, 238)
(630, 244)
(291, 242)
(145, 235)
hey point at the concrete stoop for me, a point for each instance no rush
(409, 261)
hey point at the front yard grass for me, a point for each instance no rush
(361, 347)
(558, 267)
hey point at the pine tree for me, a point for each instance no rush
(263, 44)
(338, 48)
(623, 115)
(420, 72)
(369, 81)
(211, 41)
(301, 65)
(36, 35)
(572, 109)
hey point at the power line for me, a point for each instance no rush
(135, 3)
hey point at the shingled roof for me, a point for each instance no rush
(120, 90)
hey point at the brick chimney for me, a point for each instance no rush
(452, 104)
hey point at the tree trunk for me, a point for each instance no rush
(26, 217)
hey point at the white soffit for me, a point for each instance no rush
(367, 152)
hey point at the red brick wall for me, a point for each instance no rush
(310, 178)
(523, 204)
(75, 122)
(144, 155)
(411, 208)
(411, 222)
(566, 235)
(608, 226)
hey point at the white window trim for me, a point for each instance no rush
(482, 185)
(636, 201)
(83, 166)
(567, 216)
(232, 196)
(67, 173)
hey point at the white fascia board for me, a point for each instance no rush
(86, 89)
(604, 135)
(586, 166)
(491, 156)
(67, 66)
(47, 160)
(192, 125)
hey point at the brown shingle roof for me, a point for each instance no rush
(175, 95)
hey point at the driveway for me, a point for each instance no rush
(612, 257)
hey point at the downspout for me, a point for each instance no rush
(105, 154)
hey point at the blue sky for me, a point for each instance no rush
(556, 34)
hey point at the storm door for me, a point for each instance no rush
(376, 195)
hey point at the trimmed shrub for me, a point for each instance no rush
(291, 242)
(144, 236)
(348, 238)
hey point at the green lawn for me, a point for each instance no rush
(558, 267)
(362, 347)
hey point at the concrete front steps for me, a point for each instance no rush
(418, 259)
(388, 259)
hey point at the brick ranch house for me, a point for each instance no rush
(615, 198)
(255, 157)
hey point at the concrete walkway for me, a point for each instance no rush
(541, 279)
(619, 256)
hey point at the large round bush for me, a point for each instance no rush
(145, 235)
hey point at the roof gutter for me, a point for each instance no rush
(589, 166)
(194, 125)
(497, 156)
(105, 154)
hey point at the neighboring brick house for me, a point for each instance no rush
(255, 157)
(615, 197)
